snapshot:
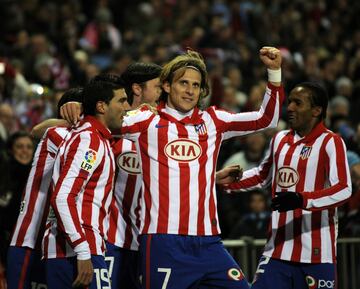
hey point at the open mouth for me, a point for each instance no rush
(291, 117)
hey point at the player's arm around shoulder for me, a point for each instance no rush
(136, 121)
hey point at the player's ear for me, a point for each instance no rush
(316, 111)
(136, 88)
(100, 107)
(166, 86)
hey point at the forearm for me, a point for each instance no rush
(65, 209)
(39, 130)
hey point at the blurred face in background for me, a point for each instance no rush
(23, 150)
(257, 203)
(355, 176)
(7, 116)
(151, 91)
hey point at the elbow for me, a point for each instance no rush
(35, 132)
(348, 192)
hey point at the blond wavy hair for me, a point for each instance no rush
(176, 68)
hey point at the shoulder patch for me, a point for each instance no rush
(89, 160)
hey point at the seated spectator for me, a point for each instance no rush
(255, 223)
(252, 153)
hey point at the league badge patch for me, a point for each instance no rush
(89, 160)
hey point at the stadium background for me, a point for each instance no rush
(47, 47)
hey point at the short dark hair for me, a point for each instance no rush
(97, 91)
(111, 78)
(139, 72)
(318, 96)
(72, 94)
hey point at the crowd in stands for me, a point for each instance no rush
(49, 46)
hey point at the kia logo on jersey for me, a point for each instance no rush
(129, 162)
(183, 150)
(287, 177)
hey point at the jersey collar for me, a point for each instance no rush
(316, 132)
(95, 123)
(194, 118)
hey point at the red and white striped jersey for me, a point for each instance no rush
(34, 207)
(178, 159)
(124, 212)
(82, 179)
(316, 167)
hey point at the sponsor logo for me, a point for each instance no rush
(235, 274)
(89, 160)
(129, 162)
(305, 152)
(160, 126)
(287, 177)
(311, 282)
(321, 283)
(183, 150)
(326, 283)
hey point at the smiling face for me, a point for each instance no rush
(302, 115)
(184, 91)
(23, 149)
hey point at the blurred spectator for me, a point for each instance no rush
(352, 219)
(7, 121)
(251, 154)
(14, 174)
(254, 223)
(101, 37)
(229, 101)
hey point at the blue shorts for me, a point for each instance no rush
(62, 272)
(179, 262)
(25, 269)
(124, 267)
(273, 273)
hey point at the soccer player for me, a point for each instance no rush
(178, 146)
(24, 267)
(309, 176)
(83, 178)
(180, 245)
(142, 85)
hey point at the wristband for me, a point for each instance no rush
(274, 75)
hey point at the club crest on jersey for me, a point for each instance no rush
(129, 162)
(235, 274)
(89, 160)
(200, 129)
(183, 150)
(305, 152)
(287, 177)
